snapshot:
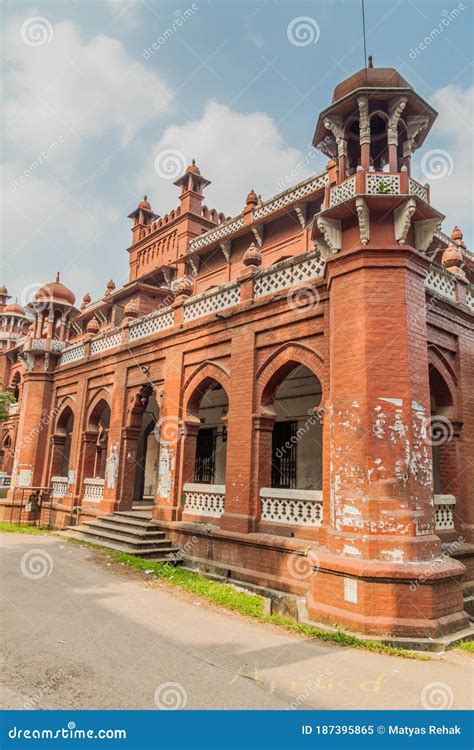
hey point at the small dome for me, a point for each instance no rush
(131, 309)
(252, 198)
(55, 292)
(452, 257)
(184, 286)
(93, 326)
(110, 287)
(252, 256)
(14, 308)
(193, 169)
(144, 204)
(377, 78)
(457, 235)
(3, 290)
(85, 300)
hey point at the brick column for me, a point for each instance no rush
(172, 439)
(379, 574)
(262, 441)
(116, 463)
(33, 430)
(239, 510)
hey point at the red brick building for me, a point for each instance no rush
(290, 388)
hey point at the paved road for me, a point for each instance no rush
(80, 634)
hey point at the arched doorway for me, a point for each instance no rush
(95, 451)
(446, 476)
(292, 494)
(62, 443)
(148, 451)
(205, 455)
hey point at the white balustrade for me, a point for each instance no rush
(381, 183)
(295, 507)
(442, 283)
(108, 341)
(72, 354)
(287, 273)
(212, 301)
(204, 499)
(470, 298)
(342, 192)
(58, 487)
(444, 512)
(292, 195)
(214, 235)
(156, 321)
(414, 188)
(93, 490)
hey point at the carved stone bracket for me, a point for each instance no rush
(257, 230)
(363, 215)
(424, 233)
(402, 220)
(395, 110)
(194, 263)
(331, 229)
(225, 246)
(415, 125)
(334, 124)
(300, 211)
(328, 147)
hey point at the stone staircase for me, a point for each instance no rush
(127, 531)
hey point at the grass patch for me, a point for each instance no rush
(247, 604)
(17, 529)
(466, 646)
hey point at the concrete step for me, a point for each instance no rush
(135, 515)
(130, 521)
(148, 532)
(165, 554)
(133, 542)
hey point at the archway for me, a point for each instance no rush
(98, 425)
(62, 443)
(209, 404)
(378, 141)
(297, 442)
(5, 454)
(148, 450)
(441, 432)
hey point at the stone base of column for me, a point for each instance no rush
(241, 523)
(371, 597)
(166, 513)
(108, 506)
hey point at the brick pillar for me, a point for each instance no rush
(379, 573)
(57, 453)
(86, 461)
(172, 440)
(262, 441)
(465, 442)
(116, 463)
(128, 467)
(239, 510)
(33, 429)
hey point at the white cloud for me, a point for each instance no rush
(76, 88)
(237, 152)
(451, 143)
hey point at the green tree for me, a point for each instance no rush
(6, 399)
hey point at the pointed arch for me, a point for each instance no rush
(199, 383)
(280, 364)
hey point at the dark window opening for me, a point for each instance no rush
(205, 455)
(284, 455)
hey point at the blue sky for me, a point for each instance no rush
(99, 93)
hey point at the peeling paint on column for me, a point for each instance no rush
(395, 555)
(111, 468)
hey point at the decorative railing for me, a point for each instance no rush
(470, 298)
(38, 345)
(441, 283)
(109, 341)
(212, 301)
(58, 487)
(214, 235)
(93, 490)
(72, 354)
(295, 507)
(342, 192)
(292, 195)
(287, 273)
(204, 499)
(57, 346)
(382, 183)
(13, 409)
(156, 321)
(444, 512)
(414, 188)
